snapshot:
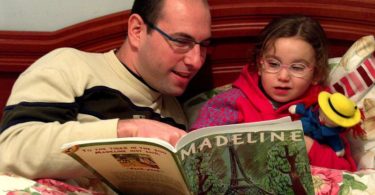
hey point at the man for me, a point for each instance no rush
(71, 95)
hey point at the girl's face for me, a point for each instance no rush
(287, 69)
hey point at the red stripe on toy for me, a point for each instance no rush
(369, 64)
(356, 81)
(337, 87)
(364, 75)
(347, 86)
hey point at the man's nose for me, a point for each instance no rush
(195, 56)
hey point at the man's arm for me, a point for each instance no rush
(33, 149)
(41, 115)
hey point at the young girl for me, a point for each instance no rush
(289, 66)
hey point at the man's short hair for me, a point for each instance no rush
(149, 10)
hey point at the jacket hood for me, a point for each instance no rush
(247, 82)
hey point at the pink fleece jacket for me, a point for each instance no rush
(246, 102)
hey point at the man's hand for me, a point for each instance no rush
(149, 128)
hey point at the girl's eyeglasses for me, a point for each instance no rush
(296, 69)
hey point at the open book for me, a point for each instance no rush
(252, 158)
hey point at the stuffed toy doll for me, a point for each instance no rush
(324, 122)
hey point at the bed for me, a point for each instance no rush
(235, 23)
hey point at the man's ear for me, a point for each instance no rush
(136, 28)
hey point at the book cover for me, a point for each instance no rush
(251, 158)
(264, 160)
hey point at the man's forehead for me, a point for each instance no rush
(182, 9)
(190, 17)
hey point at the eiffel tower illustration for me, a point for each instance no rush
(240, 183)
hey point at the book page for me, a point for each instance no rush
(248, 159)
(130, 166)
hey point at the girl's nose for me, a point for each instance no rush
(284, 74)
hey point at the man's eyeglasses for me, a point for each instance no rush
(180, 44)
(274, 66)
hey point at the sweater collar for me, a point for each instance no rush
(128, 76)
(138, 77)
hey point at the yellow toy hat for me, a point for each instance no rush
(339, 109)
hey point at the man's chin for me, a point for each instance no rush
(176, 91)
(173, 87)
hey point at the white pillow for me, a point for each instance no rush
(354, 76)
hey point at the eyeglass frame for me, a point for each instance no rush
(190, 43)
(288, 67)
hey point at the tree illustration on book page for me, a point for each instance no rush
(240, 182)
(288, 169)
(280, 166)
(206, 171)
